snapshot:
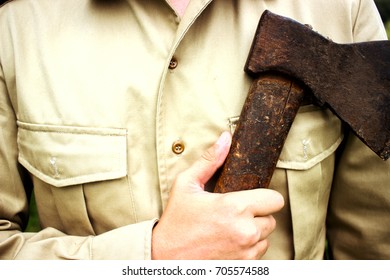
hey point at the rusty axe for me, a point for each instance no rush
(288, 60)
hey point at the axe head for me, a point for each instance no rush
(353, 80)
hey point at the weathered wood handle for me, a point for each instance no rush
(265, 120)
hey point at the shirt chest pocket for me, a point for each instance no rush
(64, 155)
(77, 173)
(315, 134)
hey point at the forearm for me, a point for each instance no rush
(128, 242)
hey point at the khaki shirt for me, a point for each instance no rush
(93, 95)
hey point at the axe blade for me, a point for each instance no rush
(353, 80)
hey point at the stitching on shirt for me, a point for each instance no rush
(72, 130)
(91, 248)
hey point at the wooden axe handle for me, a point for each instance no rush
(266, 117)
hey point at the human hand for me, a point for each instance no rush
(200, 225)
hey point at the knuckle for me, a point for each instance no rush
(262, 248)
(268, 226)
(251, 255)
(210, 159)
(272, 222)
(257, 251)
(209, 155)
(246, 235)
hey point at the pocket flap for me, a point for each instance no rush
(68, 155)
(314, 135)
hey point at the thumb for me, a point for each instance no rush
(205, 167)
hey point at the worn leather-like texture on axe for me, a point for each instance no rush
(287, 59)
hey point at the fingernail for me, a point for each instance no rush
(224, 139)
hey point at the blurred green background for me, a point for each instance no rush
(384, 9)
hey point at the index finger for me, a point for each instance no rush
(258, 202)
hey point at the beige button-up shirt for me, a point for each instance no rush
(103, 103)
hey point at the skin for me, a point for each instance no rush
(201, 225)
(179, 6)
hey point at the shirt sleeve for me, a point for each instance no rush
(368, 23)
(128, 242)
(359, 206)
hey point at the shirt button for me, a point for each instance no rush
(178, 147)
(173, 63)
